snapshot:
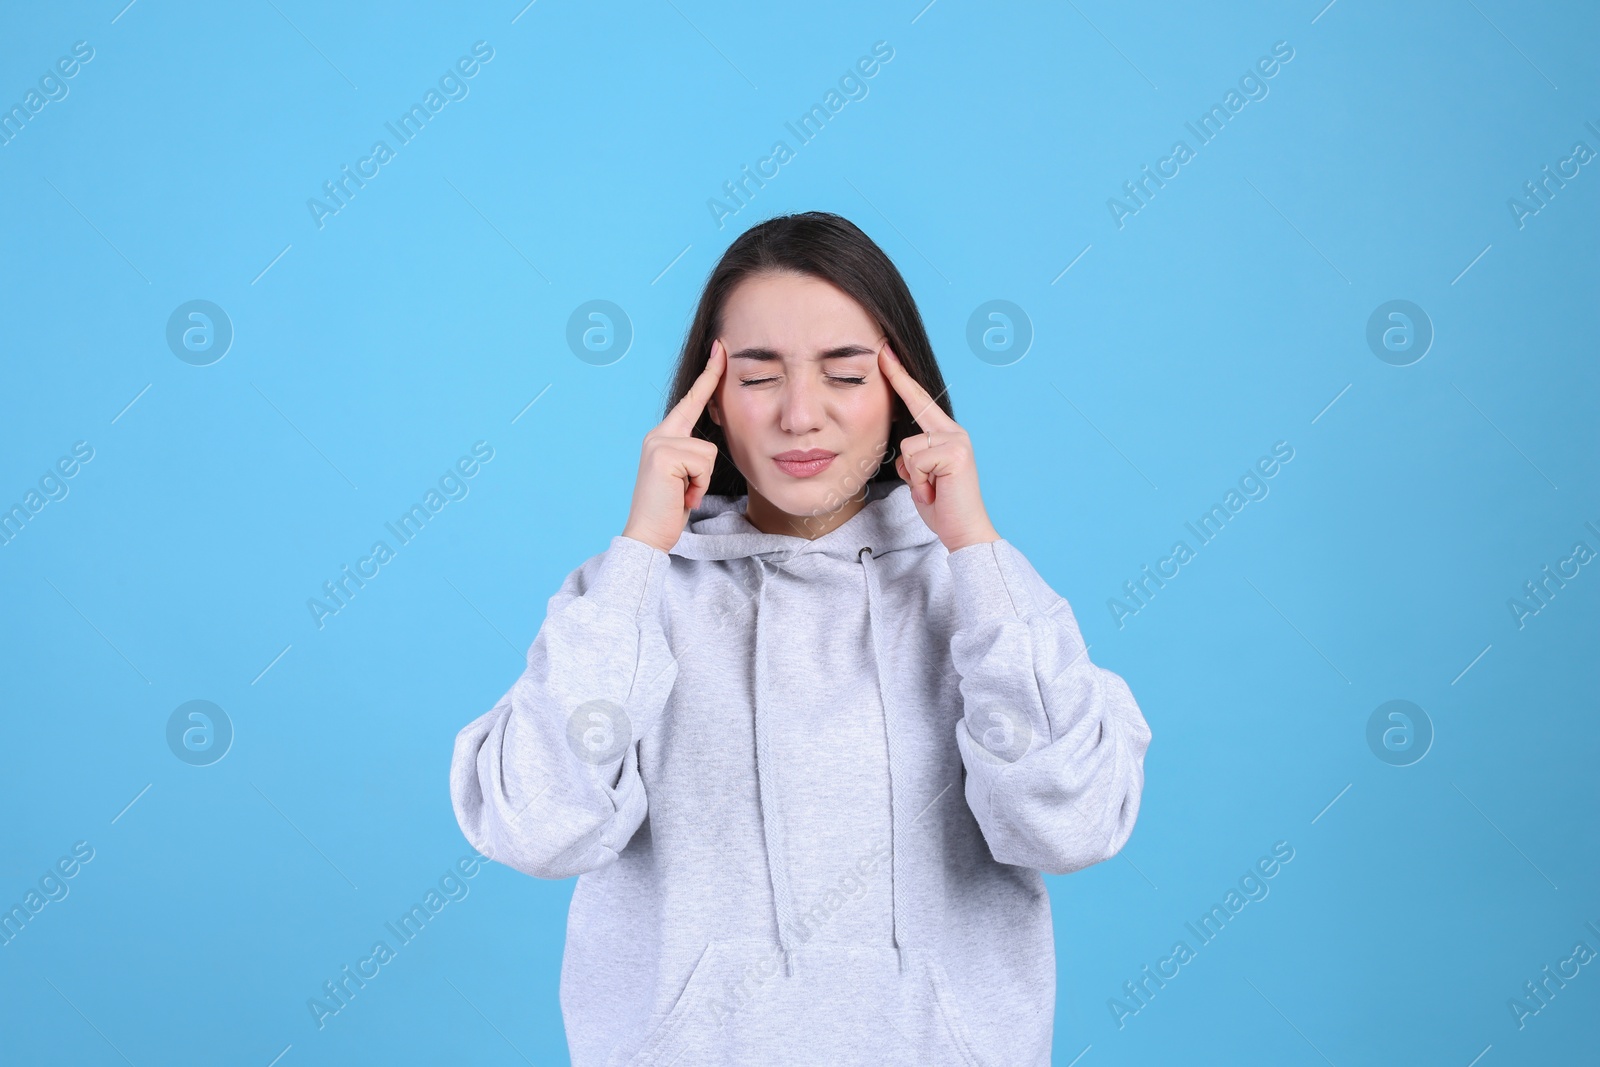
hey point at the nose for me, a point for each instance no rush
(800, 409)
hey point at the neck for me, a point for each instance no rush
(766, 517)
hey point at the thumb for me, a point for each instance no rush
(912, 477)
(697, 488)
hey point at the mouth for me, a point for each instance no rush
(804, 464)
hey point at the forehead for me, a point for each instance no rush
(793, 313)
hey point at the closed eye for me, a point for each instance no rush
(830, 377)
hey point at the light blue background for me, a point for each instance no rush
(1223, 317)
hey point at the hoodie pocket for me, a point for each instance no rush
(661, 1043)
(844, 1004)
(950, 1014)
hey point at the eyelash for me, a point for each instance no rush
(831, 378)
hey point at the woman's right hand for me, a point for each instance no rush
(675, 467)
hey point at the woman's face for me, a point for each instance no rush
(802, 377)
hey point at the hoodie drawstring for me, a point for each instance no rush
(767, 788)
(897, 778)
(771, 824)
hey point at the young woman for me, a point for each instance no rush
(809, 729)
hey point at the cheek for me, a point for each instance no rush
(741, 410)
(867, 411)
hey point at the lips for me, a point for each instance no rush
(804, 463)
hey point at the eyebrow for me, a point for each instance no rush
(769, 355)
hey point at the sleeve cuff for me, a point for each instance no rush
(989, 582)
(632, 577)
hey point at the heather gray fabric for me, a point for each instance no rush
(809, 787)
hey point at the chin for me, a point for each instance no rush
(809, 496)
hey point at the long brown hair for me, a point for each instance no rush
(832, 248)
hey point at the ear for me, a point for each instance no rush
(714, 409)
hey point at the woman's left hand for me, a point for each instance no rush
(938, 465)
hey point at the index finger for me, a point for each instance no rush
(686, 412)
(925, 411)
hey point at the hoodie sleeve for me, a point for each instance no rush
(1053, 745)
(547, 781)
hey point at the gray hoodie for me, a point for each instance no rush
(808, 787)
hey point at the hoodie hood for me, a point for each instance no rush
(889, 522)
(718, 529)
